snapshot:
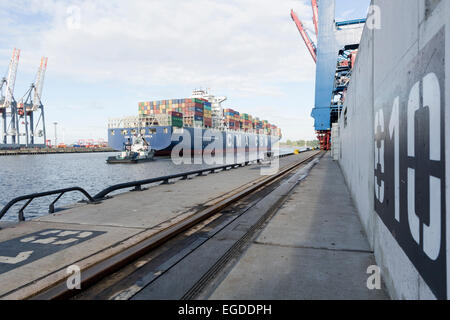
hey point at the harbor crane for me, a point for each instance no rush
(331, 77)
(309, 43)
(315, 9)
(31, 103)
(8, 105)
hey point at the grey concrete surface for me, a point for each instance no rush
(186, 274)
(313, 248)
(123, 220)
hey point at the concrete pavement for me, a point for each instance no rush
(313, 248)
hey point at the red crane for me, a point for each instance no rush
(309, 44)
(315, 8)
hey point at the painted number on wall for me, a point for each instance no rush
(410, 163)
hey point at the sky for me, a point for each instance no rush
(105, 56)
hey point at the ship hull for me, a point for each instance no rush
(163, 139)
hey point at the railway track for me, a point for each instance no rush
(148, 261)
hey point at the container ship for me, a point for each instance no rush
(201, 118)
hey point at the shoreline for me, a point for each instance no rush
(36, 151)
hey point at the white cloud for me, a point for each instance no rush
(233, 43)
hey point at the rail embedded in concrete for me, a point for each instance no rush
(104, 193)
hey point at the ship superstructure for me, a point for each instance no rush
(216, 106)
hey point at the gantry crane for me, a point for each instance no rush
(309, 43)
(315, 9)
(30, 103)
(332, 36)
(8, 106)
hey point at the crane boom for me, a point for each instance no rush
(309, 44)
(39, 84)
(315, 9)
(11, 80)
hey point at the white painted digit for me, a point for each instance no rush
(413, 219)
(432, 233)
(432, 99)
(394, 132)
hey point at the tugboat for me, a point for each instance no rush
(136, 152)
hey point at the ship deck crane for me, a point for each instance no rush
(30, 103)
(8, 104)
(309, 43)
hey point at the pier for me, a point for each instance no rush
(142, 245)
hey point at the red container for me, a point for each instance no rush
(175, 114)
(207, 122)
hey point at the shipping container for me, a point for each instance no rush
(198, 112)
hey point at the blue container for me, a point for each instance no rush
(198, 118)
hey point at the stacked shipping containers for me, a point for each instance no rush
(232, 119)
(176, 119)
(246, 122)
(257, 124)
(196, 112)
(207, 114)
(193, 112)
(265, 127)
(170, 108)
(157, 107)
